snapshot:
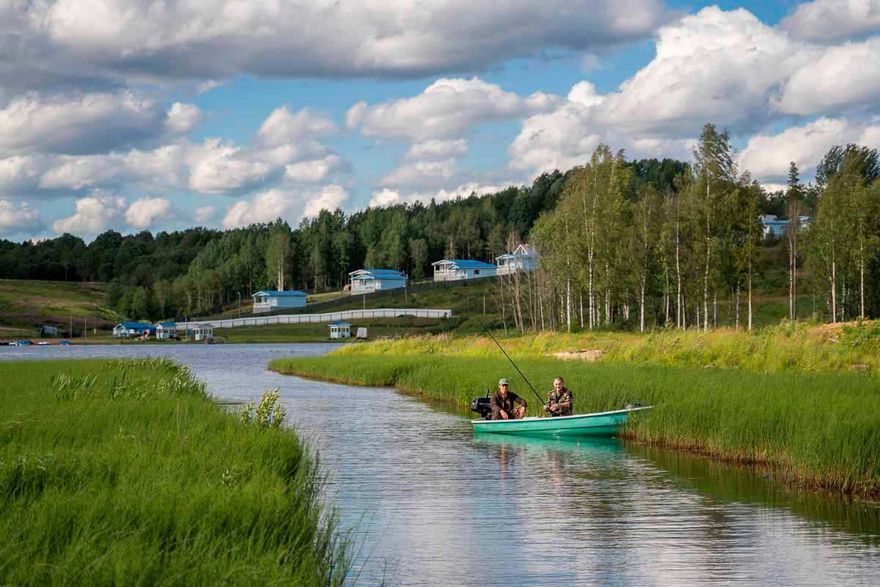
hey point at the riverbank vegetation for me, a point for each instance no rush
(804, 422)
(125, 472)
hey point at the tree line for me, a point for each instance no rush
(620, 251)
(199, 271)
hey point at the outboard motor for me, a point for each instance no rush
(481, 406)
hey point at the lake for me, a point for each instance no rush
(429, 504)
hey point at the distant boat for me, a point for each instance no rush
(43, 343)
(64, 343)
(22, 343)
(599, 424)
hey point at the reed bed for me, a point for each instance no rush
(785, 347)
(815, 429)
(125, 472)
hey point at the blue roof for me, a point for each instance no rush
(381, 273)
(470, 264)
(274, 293)
(167, 324)
(340, 323)
(135, 326)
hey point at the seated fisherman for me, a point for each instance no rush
(502, 403)
(559, 400)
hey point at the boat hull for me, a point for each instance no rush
(600, 424)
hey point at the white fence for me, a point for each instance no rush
(317, 318)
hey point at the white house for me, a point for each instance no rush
(127, 329)
(523, 258)
(202, 332)
(166, 330)
(340, 329)
(456, 269)
(369, 280)
(270, 300)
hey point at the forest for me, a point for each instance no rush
(625, 244)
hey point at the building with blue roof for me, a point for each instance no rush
(129, 329)
(458, 269)
(271, 300)
(166, 330)
(523, 258)
(365, 281)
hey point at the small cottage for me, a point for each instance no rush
(340, 329)
(523, 258)
(166, 330)
(365, 281)
(129, 329)
(271, 300)
(201, 332)
(456, 269)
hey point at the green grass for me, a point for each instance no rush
(815, 429)
(125, 472)
(785, 347)
(28, 304)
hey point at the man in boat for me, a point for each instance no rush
(559, 399)
(502, 403)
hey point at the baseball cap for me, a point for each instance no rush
(503, 382)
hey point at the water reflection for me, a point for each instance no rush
(432, 504)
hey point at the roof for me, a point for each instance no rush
(274, 293)
(135, 325)
(340, 323)
(466, 264)
(166, 324)
(378, 273)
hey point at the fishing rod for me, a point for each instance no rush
(521, 374)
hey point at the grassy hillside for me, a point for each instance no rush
(25, 305)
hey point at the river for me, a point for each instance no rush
(429, 504)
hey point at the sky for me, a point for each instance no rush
(137, 115)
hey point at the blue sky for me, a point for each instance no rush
(118, 114)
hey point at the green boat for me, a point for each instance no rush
(599, 424)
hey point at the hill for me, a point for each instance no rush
(25, 305)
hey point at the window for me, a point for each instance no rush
(476, 271)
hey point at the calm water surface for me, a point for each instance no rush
(431, 504)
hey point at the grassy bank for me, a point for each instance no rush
(820, 430)
(125, 472)
(787, 347)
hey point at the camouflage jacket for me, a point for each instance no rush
(561, 397)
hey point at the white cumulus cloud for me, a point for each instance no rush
(446, 109)
(144, 212)
(767, 157)
(18, 217)
(182, 118)
(93, 215)
(284, 126)
(421, 174)
(437, 149)
(218, 39)
(83, 123)
(833, 20)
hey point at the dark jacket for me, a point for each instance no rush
(499, 403)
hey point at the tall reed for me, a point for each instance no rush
(125, 472)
